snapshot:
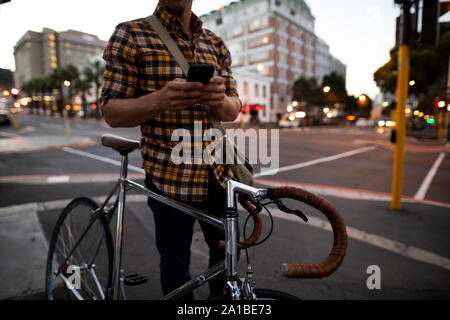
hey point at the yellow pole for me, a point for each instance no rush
(441, 125)
(399, 154)
(16, 120)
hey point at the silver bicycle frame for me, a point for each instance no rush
(229, 225)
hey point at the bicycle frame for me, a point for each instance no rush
(229, 225)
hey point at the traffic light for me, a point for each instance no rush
(15, 92)
(440, 104)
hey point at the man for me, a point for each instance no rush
(143, 85)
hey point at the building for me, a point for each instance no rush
(6, 80)
(274, 39)
(38, 53)
(254, 91)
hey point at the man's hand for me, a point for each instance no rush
(214, 93)
(179, 94)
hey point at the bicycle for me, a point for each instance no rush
(82, 241)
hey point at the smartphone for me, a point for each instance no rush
(200, 73)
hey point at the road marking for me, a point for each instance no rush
(374, 240)
(353, 233)
(58, 179)
(7, 134)
(100, 158)
(429, 178)
(349, 193)
(325, 190)
(316, 161)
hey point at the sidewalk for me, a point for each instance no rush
(34, 138)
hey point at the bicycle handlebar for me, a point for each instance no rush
(337, 254)
(302, 270)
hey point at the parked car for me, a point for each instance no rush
(288, 121)
(4, 117)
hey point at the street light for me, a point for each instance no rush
(412, 83)
(362, 98)
(67, 83)
(326, 89)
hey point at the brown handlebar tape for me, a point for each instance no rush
(337, 254)
(257, 223)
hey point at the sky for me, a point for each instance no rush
(360, 33)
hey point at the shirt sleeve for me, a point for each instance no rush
(121, 73)
(226, 73)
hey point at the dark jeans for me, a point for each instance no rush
(173, 232)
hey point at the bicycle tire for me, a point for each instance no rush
(70, 225)
(265, 294)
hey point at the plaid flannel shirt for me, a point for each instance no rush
(138, 63)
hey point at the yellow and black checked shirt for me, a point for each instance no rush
(138, 63)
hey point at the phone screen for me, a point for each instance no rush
(200, 73)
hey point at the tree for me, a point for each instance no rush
(307, 91)
(83, 85)
(338, 92)
(95, 75)
(428, 69)
(71, 74)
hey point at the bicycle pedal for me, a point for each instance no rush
(134, 280)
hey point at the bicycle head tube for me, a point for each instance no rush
(234, 186)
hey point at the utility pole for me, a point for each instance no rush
(402, 97)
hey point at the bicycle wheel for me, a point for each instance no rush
(269, 294)
(79, 262)
(265, 294)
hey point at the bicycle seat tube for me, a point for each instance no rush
(119, 228)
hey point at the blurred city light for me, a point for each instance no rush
(412, 82)
(326, 110)
(15, 91)
(381, 123)
(326, 89)
(289, 108)
(67, 83)
(385, 104)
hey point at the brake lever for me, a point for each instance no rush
(296, 212)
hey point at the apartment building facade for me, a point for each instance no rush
(38, 53)
(274, 39)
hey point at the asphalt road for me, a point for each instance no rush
(341, 162)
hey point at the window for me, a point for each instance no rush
(237, 30)
(246, 88)
(256, 90)
(264, 94)
(256, 24)
(219, 21)
(277, 3)
(264, 55)
(258, 41)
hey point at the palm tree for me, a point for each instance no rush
(95, 75)
(58, 83)
(27, 87)
(71, 74)
(83, 85)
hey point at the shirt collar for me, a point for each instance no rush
(173, 23)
